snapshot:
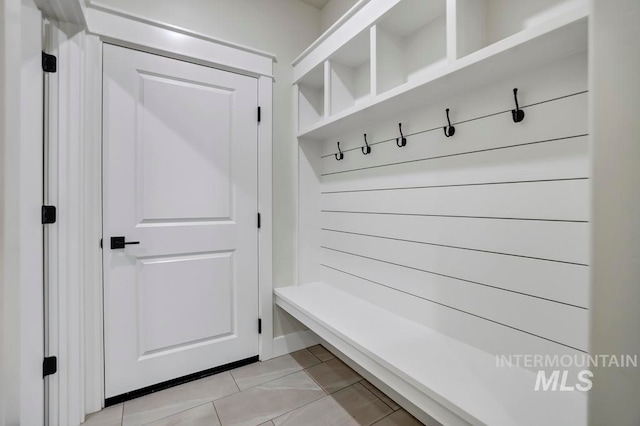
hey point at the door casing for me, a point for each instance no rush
(79, 387)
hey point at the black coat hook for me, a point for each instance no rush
(517, 114)
(449, 130)
(339, 155)
(366, 149)
(401, 141)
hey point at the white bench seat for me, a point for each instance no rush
(453, 382)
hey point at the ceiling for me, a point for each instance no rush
(316, 3)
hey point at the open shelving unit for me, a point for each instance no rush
(391, 59)
(412, 50)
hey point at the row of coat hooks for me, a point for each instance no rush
(449, 130)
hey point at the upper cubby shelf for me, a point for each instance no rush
(395, 55)
(350, 74)
(410, 40)
(311, 98)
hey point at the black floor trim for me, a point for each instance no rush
(179, 381)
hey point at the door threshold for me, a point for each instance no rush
(178, 381)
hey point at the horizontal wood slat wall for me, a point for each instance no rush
(483, 236)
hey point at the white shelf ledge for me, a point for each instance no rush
(452, 381)
(550, 41)
(332, 29)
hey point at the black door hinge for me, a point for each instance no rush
(259, 114)
(259, 221)
(49, 63)
(48, 214)
(259, 325)
(49, 366)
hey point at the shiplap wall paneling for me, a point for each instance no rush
(561, 118)
(540, 200)
(558, 281)
(482, 333)
(308, 215)
(483, 236)
(560, 241)
(560, 79)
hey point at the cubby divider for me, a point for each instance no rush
(311, 98)
(410, 41)
(350, 74)
(404, 50)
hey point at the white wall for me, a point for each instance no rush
(21, 314)
(333, 10)
(615, 89)
(284, 28)
(9, 200)
(29, 221)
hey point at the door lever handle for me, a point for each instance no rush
(120, 243)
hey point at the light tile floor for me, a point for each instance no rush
(310, 387)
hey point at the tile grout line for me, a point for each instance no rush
(329, 395)
(379, 399)
(301, 369)
(191, 408)
(302, 406)
(392, 410)
(234, 379)
(378, 421)
(305, 370)
(316, 382)
(216, 411)
(314, 379)
(183, 411)
(332, 393)
(308, 403)
(278, 378)
(315, 400)
(342, 362)
(235, 382)
(319, 361)
(269, 381)
(313, 355)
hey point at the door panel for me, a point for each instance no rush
(168, 136)
(180, 178)
(182, 284)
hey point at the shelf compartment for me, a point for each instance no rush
(551, 41)
(410, 41)
(350, 74)
(481, 23)
(311, 98)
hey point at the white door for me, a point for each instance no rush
(180, 185)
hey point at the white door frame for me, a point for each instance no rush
(75, 178)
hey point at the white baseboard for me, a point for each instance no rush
(294, 342)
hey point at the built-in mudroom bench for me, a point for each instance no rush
(444, 205)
